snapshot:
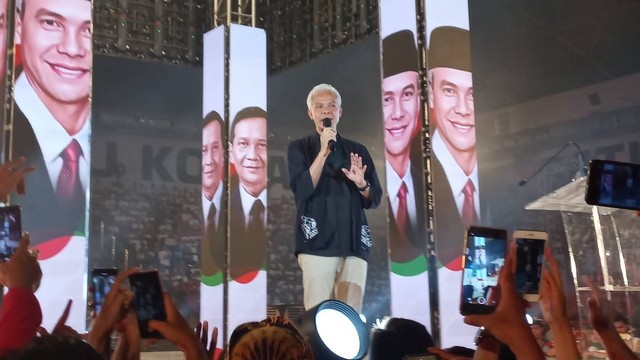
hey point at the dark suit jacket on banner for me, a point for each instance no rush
(42, 215)
(213, 243)
(248, 250)
(449, 229)
(404, 251)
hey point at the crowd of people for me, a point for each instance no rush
(503, 333)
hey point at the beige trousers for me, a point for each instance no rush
(338, 278)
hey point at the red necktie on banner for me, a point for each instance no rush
(402, 216)
(69, 188)
(469, 216)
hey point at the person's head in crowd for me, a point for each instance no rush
(461, 351)
(248, 148)
(539, 329)
(400, 96)
(324, 101)
(621, 323)
(212, 154)
(270, 339)
(3, 34)
(56, 42)
(54, 347)
(396, 337)
(451, 93)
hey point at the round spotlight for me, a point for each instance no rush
(335, 331)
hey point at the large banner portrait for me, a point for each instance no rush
(403, 162)
(52, 129)
(454, 155)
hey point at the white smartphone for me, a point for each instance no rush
(530, 257)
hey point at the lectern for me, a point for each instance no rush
(603, 244)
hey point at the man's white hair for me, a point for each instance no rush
(323, 88)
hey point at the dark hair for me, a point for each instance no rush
(460, 351)
(398, 338)
(211, 117)
(621, 318)
(246, 113)
(292, 346)
(214, 116)
(54, 347)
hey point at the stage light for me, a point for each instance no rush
(335, 331)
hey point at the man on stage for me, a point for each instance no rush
(333, 180)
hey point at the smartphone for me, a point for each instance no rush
(613, 184)
(484, 255)
(529, 259)
(148, 302)
(102, 280)
(10, 230)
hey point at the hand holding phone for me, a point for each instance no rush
(10, 230)
(148, 301)
(484, 256)
(507, 322)
(530, 247)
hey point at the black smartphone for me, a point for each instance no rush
(148, 301)
(613, 184)
(529, 259)
(420, 357)
(484, 255)
(102, 279)
(10, 230)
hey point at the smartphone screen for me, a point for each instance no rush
(102, 280)
(10, 230)
(147, 301)
(529, 259)
(484, 256)
(613, 184)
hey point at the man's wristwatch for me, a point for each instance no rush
(364, 188)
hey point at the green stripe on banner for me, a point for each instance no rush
(213, 280)
(412, 268)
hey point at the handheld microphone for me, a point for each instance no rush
(582, 170)
(326, 122)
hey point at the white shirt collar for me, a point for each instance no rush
(206, 203)
(248, 200)
(455, 175)
(51, 136)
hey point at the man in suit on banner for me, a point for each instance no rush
(403, 152)
(52, 118)
(212, 249)
(248, 153)
(454, 166)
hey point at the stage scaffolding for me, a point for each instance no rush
(164, 30)
(301, 30)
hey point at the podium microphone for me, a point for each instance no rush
(326, 122)
(582, 170)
